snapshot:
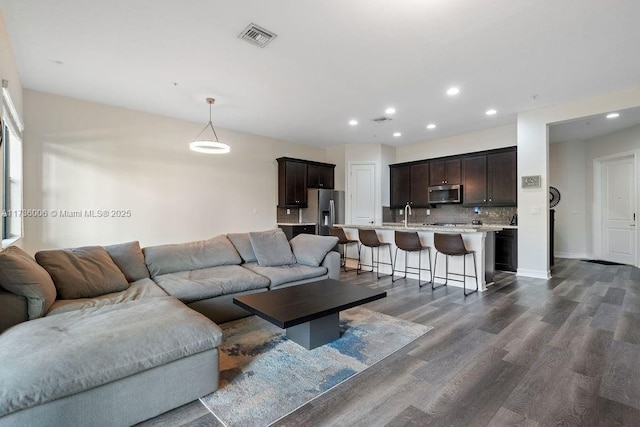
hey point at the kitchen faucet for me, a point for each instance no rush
(407, 212)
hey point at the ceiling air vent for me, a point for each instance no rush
(257, 35)
(382, 119)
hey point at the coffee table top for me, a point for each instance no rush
(298, 304)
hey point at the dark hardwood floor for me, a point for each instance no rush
(528, 352)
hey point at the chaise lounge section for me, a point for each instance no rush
(115, 335)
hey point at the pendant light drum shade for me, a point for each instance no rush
(207, 142)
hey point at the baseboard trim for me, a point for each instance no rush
(572, 255)
(536, 274)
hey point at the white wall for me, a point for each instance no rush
(488, 139)
(336, 155)
(568, 173)
(387, 157)
(85, 156)
(533, 159)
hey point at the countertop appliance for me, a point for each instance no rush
(450, 193)
(325, 208)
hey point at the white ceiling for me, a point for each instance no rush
(593, 126)
(333, 60)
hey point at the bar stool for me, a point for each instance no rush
(408, 241)
(370, 239)
(345, 242)
(452, 245)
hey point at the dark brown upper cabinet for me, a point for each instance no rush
(444, 172)
(408, 184)
(320, 175)
(490, 179)
(502, 178)
(474, 187)
(292, 183)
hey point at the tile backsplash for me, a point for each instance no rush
(284, 217)
(452, 213)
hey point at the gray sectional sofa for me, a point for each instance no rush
(115, 335)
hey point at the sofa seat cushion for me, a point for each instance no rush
(57, 356)
(279, 275)
(172, 258)
(144, 288)
(196, 285)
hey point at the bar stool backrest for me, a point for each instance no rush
(449, 244)
(408, 240)
(340, 234)
(368, 237)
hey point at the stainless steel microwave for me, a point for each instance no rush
(445, 194)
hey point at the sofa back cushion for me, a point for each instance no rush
(165, 259)
(21, 275)
(272, 248)
(129, 259)
(310, 249)
(242, 243)
(84, 272)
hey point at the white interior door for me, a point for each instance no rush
(618, 211)
(362, 192)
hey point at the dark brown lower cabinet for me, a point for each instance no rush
(292, 231)
(507, 250)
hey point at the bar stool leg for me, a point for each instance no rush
(433, 275)
(393, 272)
(475, 271)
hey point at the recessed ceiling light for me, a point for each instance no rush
(397, 134)
(613, 115)
(452, 91)
(490, 112)
(353, 122)
(431, 126)
(390, 110)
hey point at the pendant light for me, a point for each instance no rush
(209, 144)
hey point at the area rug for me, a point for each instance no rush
(265, 376)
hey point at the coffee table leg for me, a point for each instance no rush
(316, 332)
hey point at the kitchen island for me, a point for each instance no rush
(478, 238)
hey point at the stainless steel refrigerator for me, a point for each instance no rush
(325, 208)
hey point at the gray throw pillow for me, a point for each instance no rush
(310, 249)
(242, 242)
(171, 258)
(272, 248)
(85, 272)
(21, 275)
(129, 259)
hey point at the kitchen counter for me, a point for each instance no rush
(295, 223)
(478, 238)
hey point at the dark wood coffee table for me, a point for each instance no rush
(309, 312)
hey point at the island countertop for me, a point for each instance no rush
(460, 228)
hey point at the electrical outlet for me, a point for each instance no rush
(288, 211)
(428, 211)
(401, 212)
